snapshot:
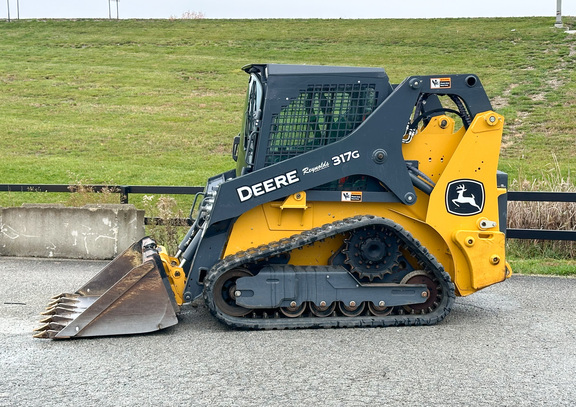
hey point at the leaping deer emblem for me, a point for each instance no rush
(471, 200)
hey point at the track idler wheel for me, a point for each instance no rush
(225, 292)
(434, 293)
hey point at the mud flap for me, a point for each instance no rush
(130, 295)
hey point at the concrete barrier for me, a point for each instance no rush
(88, 232)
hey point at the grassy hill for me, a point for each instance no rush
(158, 102)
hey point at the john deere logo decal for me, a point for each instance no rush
(465, 197)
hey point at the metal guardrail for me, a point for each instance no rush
(541, 234)
(126, 190)
(537, 196)
(123, 190)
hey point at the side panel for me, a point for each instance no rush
(459, 223)
(464, 206)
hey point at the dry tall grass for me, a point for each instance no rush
(163, 212)
(82, 193)
(543, 215)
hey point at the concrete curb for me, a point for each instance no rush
(96, 232)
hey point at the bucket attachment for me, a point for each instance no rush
(130, 295)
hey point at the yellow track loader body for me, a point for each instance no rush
(470, 248)
(354, 203)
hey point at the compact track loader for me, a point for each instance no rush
(354, 203)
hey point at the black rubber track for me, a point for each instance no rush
(272, 321)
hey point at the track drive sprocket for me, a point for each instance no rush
(372, 251)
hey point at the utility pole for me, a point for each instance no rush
(558, 14)
(17, 9)
(110, 9)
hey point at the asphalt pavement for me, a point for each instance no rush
(512, 344)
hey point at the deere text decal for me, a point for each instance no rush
(283, 180)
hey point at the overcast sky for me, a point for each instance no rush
(284, 8)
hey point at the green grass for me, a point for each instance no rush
(544, 266)
(157, 102)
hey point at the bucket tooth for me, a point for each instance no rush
(50, 326)
(49, 311)
(55, 309)
(63, 300)
(42, 328)
(58, 296)
(40, 335)
(47, 334)
(69, 300)
(64, 295)
(57, 318)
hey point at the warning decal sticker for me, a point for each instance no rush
(351, 196)
(440, 83)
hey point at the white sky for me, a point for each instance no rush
(284, 8)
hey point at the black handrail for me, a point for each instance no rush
(123, 190)
(541, 234)
(540, 196)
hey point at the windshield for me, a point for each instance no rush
(251, 125)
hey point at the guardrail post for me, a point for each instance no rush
(558, 23)
(124, 191)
